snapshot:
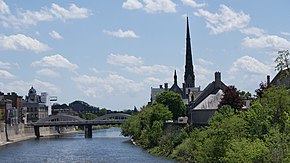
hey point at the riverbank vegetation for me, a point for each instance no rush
(259, 134)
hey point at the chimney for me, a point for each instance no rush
(166, 86)
(217, 76)
(268, 79)
(160, 86)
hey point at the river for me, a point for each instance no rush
(107, 145)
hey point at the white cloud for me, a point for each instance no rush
(192, 3)
(267, 41)
(226, 20)
(73, 12)
(21, 42)
(122, 34)
(151, 6)
(55, 35)
(149, 70)
(6, 75)
(45, 86)
(285, 33)
(249, 65)
(4, 9)
(253, 31)
(124, 60)
(135, 65)
(5, 65)
(132, 4)
(106, 85)
(57, 61)
(27, 17)
(152, 81)
(204, 62)
(22, 87)
(85, 79)
(157, 6)
(47, 73)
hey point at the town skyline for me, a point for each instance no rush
(110, 54)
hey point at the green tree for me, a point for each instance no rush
(173, 101)
(259, 120)
(282, 60)
(244, 150)
(88, 116)
(245, 95)
(260, 91)
(147, 127)
(132, 127)
(103, 111)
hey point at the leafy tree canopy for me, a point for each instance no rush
(232, 97)
(173, 101)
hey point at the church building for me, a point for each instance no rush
(201, 104)
(188, 91)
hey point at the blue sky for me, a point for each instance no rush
(110, 53)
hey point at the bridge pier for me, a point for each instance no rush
(88, 131)
(36, 131)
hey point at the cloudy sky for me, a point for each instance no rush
(110, 53)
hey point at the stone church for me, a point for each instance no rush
(202, 104)
(189, 91)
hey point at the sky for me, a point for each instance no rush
(110, 53)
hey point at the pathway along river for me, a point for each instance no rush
(107, 145)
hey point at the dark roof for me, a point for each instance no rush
(212, 88)
(175, 88)
(282, 78)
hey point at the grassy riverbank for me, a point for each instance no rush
(260, 134)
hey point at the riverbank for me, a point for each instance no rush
(21, 132)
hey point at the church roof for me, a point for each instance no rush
(211, 88)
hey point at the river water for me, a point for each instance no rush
(107, 145)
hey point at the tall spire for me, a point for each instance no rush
(189, 78)
(175, 77)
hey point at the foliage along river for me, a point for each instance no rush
(107, 145)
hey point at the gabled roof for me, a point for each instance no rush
(282, 78)
(175, 88)
(211, 88)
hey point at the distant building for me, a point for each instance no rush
(35, 108)
(17, 105)
(8, 113)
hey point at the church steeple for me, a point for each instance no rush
(189, 78)
(175, 77)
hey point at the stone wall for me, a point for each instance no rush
(21, 132)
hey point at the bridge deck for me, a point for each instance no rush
(78, 123)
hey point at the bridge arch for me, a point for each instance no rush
(113, 115)
(60, 117)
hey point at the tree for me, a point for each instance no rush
(102, 112)
(173, 101)
(261, 89)
(88, 116)
(245, 95)
(232, 98)
(244, 150)
(282, 60)
(147, 127)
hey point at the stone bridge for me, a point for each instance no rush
(68, 120)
